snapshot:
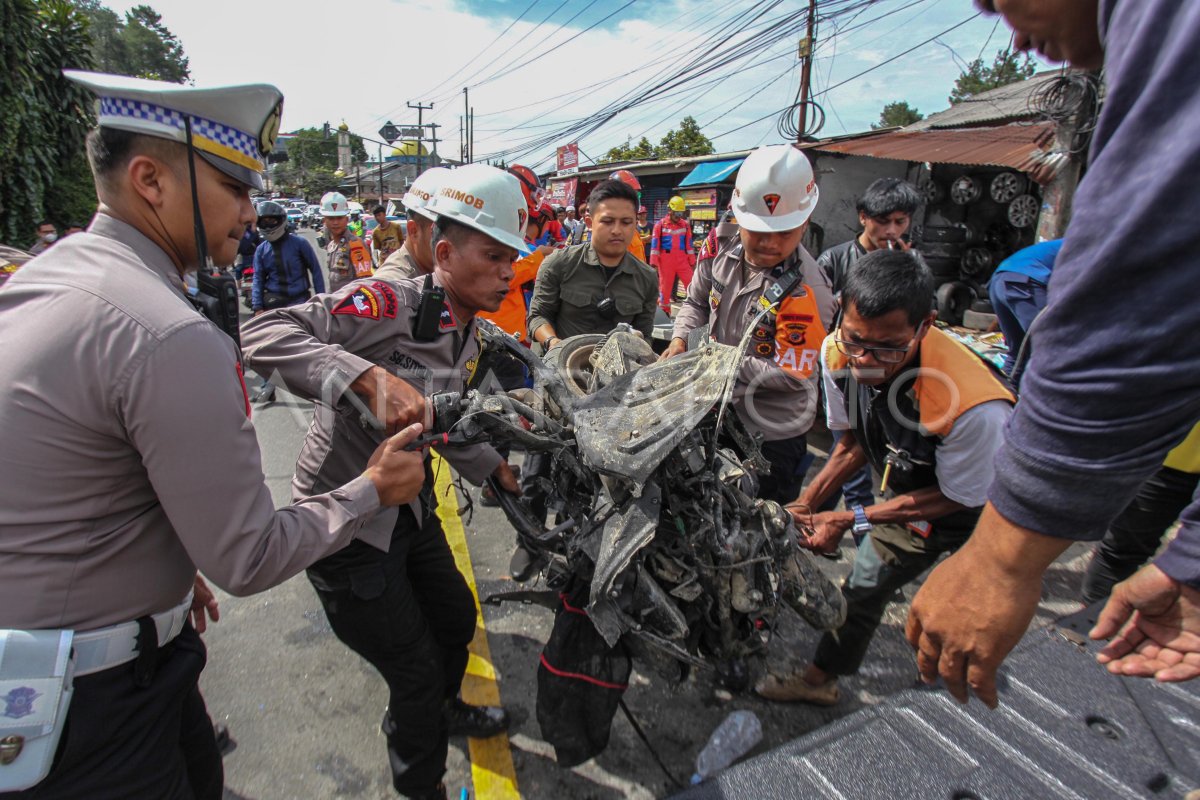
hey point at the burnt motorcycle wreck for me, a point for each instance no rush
(660, 550)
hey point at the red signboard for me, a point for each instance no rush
(562, 193)
(568, 157)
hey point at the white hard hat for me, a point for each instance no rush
(486, 199)
(775, 190)
(333, 204)
(421, 193)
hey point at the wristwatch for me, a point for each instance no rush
(861, 523)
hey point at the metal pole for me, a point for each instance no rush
(381, 175)
(467, 122)
(806, 75)
(420, 129)
(471, 131)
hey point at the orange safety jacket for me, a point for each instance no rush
(510, 317)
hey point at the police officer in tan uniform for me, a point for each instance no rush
(765, 266)
(407, 611)
(346, 256)
(415, 256)
(128, 456)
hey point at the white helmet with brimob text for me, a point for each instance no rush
(775, 190)
(486, 199)
(334, 204)
(421, 193)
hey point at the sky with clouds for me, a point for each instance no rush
(530, 63)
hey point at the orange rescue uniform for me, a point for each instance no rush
(510, 317)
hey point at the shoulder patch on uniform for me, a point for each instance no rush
(390, 304)
(362, 302)
(447, 322)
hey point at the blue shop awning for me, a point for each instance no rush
(712, 172)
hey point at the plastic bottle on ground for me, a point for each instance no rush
(732, 739)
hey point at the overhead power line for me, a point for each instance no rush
(852, 78)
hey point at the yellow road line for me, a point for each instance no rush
(492, 769)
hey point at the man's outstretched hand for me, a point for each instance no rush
(1156, 622)
(398, 474)
(976, 605)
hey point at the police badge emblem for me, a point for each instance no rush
(19, 702)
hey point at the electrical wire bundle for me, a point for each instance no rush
(1071, 98)
(736, 43)
(721, 44)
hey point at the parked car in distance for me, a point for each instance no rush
(293, 218)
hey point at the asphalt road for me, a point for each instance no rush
(305, 711)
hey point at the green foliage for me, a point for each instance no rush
(108, 44)
(687, 140)
(140, 45)
(72, 195)
(46, 117)
(153, 51)
(1008, 67)
(642, 151)
(897, 115)
(312, 159)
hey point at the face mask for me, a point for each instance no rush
(49, 238)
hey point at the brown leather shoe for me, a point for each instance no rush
(794, 689)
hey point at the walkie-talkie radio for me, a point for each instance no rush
(217, 299)
(429, 312)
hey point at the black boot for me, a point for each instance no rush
(478, 722)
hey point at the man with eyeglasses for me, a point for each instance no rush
(927, 415)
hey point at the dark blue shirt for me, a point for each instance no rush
(1035, 261)
(299, 261)
(1114, 378)
(246, 248)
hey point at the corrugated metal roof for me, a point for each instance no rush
(1002, 104)
(1017, 146)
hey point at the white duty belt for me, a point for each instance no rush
(105, 648)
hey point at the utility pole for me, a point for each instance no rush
(420, 129)
(807, 45)
(433, 139)
(467, 129)
(471, 137)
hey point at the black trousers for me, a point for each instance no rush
(890, 558)
(787, 469)
(1135, 535)
(537, 468)
(411, 615)
(122, 741)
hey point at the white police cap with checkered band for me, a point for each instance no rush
(233, 127)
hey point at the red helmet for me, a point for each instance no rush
(628, 178)
(545, 213)
(531, 187)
